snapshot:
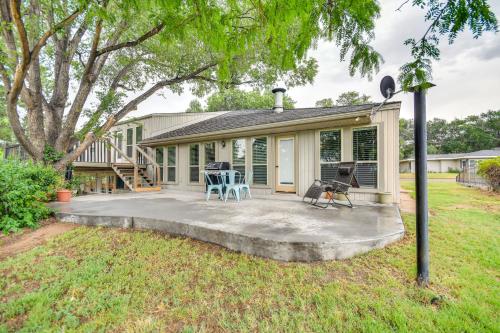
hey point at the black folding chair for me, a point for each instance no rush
(343, 180)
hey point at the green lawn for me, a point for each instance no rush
(92, 279)
(430, 175)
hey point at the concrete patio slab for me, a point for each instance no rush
(279, 227)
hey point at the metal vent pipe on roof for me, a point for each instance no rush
(278, 99)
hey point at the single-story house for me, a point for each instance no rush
(287, 149)
(284, 150)
(450, 162)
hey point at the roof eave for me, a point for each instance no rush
(313, 120)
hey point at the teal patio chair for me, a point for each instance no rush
(211, 186)
(230, 184)
(245, 185)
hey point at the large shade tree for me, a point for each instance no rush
(68, 66)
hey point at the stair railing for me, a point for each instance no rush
(136, 167)
(156, 167)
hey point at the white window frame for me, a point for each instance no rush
(162, 172)
(194, 165)
(337, 129)
(168, 166)
(205, 151)
(131, 145)
(246, 155)
(260, 164)
(377, 128)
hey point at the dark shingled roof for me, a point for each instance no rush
(246, 118)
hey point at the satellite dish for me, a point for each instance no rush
(387, 86)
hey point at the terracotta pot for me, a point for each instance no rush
(63, 195)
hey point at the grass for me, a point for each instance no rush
(430, 175)
(96, 279)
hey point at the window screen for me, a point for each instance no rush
(239, 155)
(130, 139)
(194, 163)
(330, 150)
(171, 163)
(159, 160)
(259, 160)
(209, 152)
(365, 153)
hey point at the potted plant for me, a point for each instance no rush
(64, 193)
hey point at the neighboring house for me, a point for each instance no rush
(450, 162)
(285, 150)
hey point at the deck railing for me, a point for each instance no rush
(99, 151)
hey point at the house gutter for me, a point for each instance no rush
(241, 130)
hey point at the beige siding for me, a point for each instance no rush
(306, 157)
(446, 165)
(389, 149)
(307, 166)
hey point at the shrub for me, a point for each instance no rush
(25, 187)
(490, 170)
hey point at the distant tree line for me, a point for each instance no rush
(237, 99)
(475, 132)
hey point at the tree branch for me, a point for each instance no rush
(43, 40)
(132, 105)
(133, 43)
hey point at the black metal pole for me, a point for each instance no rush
(420, 133)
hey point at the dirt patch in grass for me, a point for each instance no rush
(14, 244)
(407, 204)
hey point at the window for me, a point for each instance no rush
(194, 163)
(171, 163)
(130, 139)
(159, 160)
(259, 160)
(239, 156)
(118, 143)
(364, 147)
(209, 152)
(138, 134)
(330, 151)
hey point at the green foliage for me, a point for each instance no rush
(490, 170)
(352, 98)
(325, 103)
(248, 42)
(51, 155)
(195, 106)
(473, 133)
(236, 99)
(447, 18)
(25, 187)
(346, 98)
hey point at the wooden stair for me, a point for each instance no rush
(126, 173)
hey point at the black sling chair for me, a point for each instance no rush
(344, 179)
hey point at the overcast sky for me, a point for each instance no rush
(467, 77)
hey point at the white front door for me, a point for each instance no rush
(285, 164)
